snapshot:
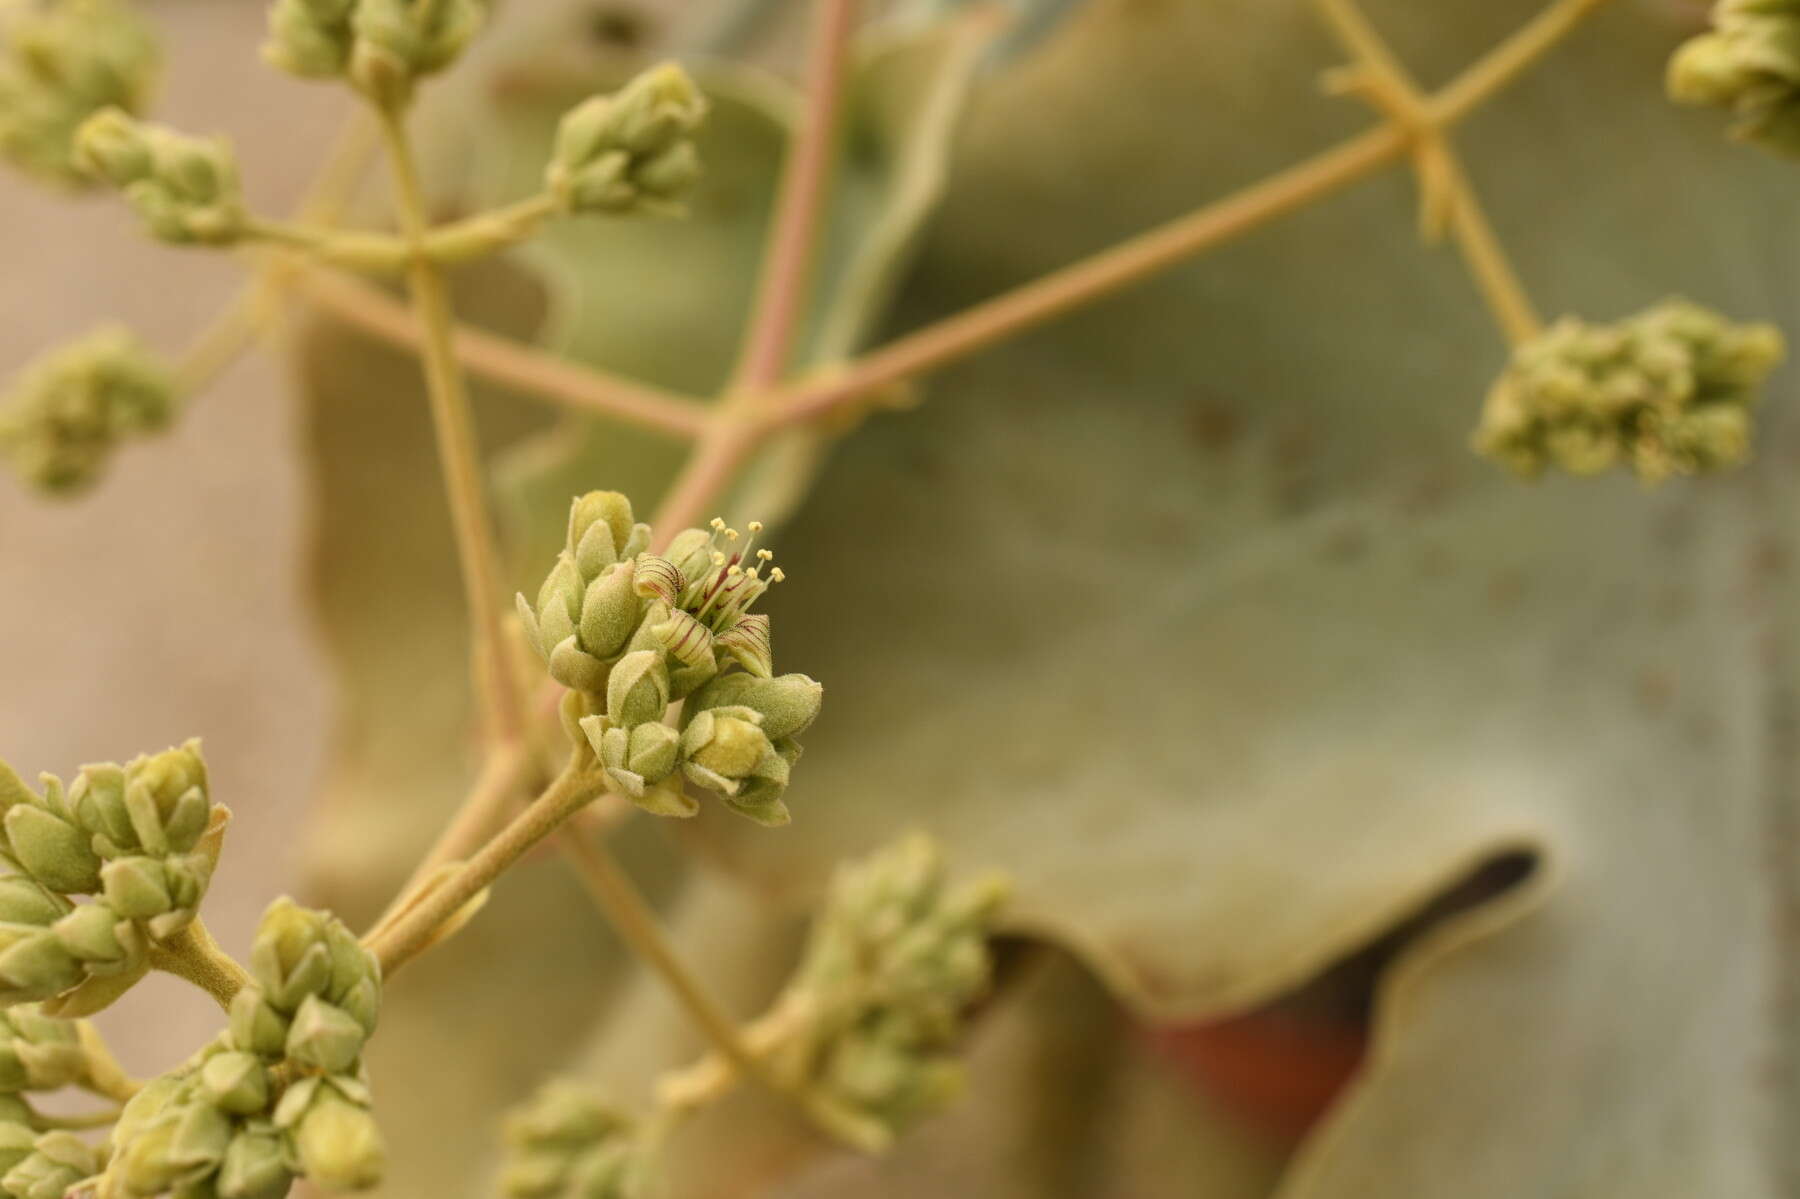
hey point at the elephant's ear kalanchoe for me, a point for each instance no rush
(140, 839)
(62, 62)
(1668, 391)
(631, 632)
(66, 412)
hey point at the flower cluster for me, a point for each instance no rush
(1749, 63)
(64, 61)
(380, 46)
(629, 632)
(140, 839)
(281, 1094)
(895, 958)
(39, 1052)
(185, 188)
(632, 151)
(1667, 391)
(68, 410)
(566, 1144)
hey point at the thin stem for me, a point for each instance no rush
(618, 898)
(405, 937)
(1033, 303)
(498, 784)
(105, 1077)
(799, 213)
(236, 326)
(458, 453)
(1444, 185)
(510, 363)
(1111, 270)
(708, 470)
(192, 954)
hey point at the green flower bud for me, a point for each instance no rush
(100, 940)
(564, 1141)
(637, 690)
(256, 1164)
(185, 188)
(137, 888)
(25, 901)
(896, 955)
(236, 1082)
(588, 606)
(299, 952)
(632, 151)
(34, 964)
(38, 1052)
(57, 1161)
(256, 1027)
(1750, 64)
(1668, 391)
(67, 410)
(788, 704)
(62, 63)
(310, 38)
(52, 849)
(337, 1142)
(721, 748)
(324, 1038)
(398, 42)
(17, 1140)
(166, 800)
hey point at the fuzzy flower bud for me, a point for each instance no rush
(316, 994)
(17, 1140)
(310, 38)
(39, 1052)
(589, 606)
(1668, 391)
(398, 42)
(67, 410)
(256, 1164)
(894, 959)
(57, 1161)
(62, 63)
(631, 151)
(565, 1144)
(1749, 63)
(335, 1139)
(185, 188)
(726, 750)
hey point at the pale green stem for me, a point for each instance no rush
(192, 954)
(458, 453)
(404, 938)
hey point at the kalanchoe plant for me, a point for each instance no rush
(65, 414)
(1668, 391)
(59, 64)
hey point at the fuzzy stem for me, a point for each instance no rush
(192, 954)
(800, 211)
(105, 1076)
(512, 364)
(458, 453)
(1133, 261)
(408, 935)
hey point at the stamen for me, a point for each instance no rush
(777, 574)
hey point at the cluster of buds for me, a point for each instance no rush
(64, 61)
(381, 46)
(895, 959)
(632, 151)
(185, 188)
(68, 410)
(629, 632)
(281, 1094)
(564, 1143)
(1749, 63)
(1667, 391)
(39, 1052)
(140, 839)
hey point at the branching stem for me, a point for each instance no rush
(192, 954)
